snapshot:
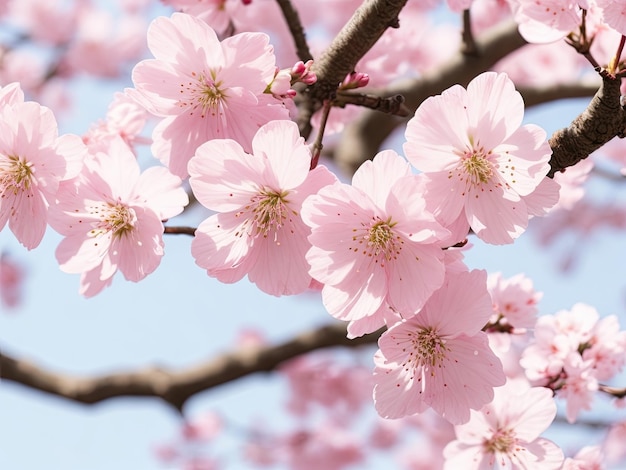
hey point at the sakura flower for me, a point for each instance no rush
(218, 14)
(375, 247)
(203, 88)
(34, 159)
(111, 217)
(543, 21)
(514, 301)
(481, 166)
(439, 358)
(12, 277)
(258, 230)
(125, 118)
(614, 14)
(506, 433)
(587, 458)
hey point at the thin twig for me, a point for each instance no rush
(181, 230)
(295, 28)
(469, 44)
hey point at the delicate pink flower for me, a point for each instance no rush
(587, 458)
(11, 281)
(324, 381)
(33, 161)
(375, 247)
(218, 14)
(614, 14)
(205, 89)
(571, 182)
(125, 118)
(111, 217)
(103, 44)
(439, 358)
(542, 21)
(579, 387)
(514, 301)
(258, 230)
(481, 166)
(52, 22)
(505, 433)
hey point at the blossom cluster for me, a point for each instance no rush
(385, 250)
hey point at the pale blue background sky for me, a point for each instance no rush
(178, 316)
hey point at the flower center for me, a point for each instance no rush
(377, 240)
(429, 347)
(502, 441)
(15, 175)
(117, 218)
(478, 168)
(205, 93)
(268, 212)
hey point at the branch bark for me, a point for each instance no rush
(362, 139)
(357, 37)
(603, 119)
(176, 386)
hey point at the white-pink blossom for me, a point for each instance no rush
(375, 248)
(111, 217)
(257, 230)
(440, 358)
(482, 166)
(203, 88)
(506, 433)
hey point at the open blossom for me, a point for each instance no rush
(204, 89)
(440, 358)
(258, 230)
(34, 159)
(514, 301)
(375, 247)
(111, 217)
(481, 166)
(506, 433)
(543, 21)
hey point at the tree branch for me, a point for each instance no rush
(176, 386)
(295, 28)
(603, 119)
(357, 37)
(362, 139)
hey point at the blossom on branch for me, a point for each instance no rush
(204, 89)
(374, 246)
(111, 217)
(34, 159)
(481, 167)
(258, 230)
(505, 433)
(439, 358)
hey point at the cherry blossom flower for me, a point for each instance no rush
(439, 358)
(614, 14)
(12, 276)
(258, 230)
(514, 301)
(34, 159)
(203, 88)
(481, 166)
(125, 118)
(587, 458)
(375, 247)
(543, 21)
(218, 14)
(111, 217)
(505, 433)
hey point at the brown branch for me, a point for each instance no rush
(357, 37)
(390, 105)
(534, 96)
(362, 139)
(180, 230)
(469, 44)
(295, 28)
(603, 119)
(176, 386)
